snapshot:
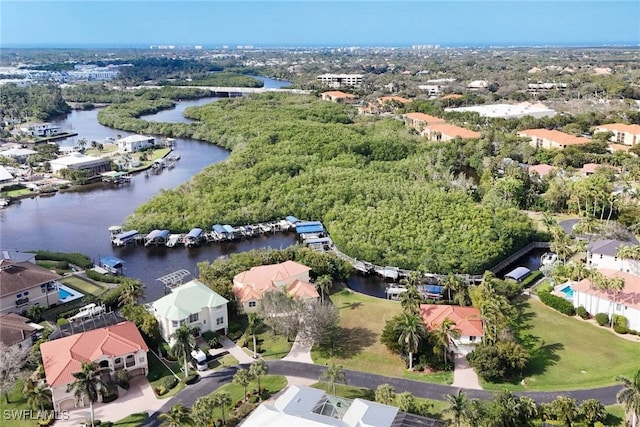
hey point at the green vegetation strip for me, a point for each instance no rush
(362, 319)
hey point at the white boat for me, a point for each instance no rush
(173, 240)
(548, 258)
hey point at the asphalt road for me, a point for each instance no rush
(206, 385)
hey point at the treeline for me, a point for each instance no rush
(384, 195)
(99, 93)
(152, 68)
(36, 102)
(223, 79)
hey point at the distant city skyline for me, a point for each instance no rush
(319, 23)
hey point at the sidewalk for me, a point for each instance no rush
(463, 375)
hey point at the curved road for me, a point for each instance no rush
(208, 384)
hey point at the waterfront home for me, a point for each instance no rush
(78, 161)
(338, 97)
(18, 154)
(135, 143)
(24, 284)
(303, 406)
(625, 303)
(604, 254)
(193, 304)
(5, 175)
(118, 347)
(16, 330)
(466, 320)
(549, 139)
(250, 286)
(40, 129)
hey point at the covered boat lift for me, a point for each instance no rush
(309, 227)
(193, 238)
(124, 238)
(112, 264)
(518, 274)
(156, 237)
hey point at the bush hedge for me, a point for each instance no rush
(582, 312)
(107, 278)
(557, 303)
(602, 319)
(531, 279)
(76, 258)
(191, 379)
(620, 320)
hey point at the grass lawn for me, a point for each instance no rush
(221, 362)
(133, 420)
(272, 383)
(434, 408)
(270, 346)
(84, 286)
(362, 319)
(158, 372)
(571, 354)
(18, 402)
(16, 193)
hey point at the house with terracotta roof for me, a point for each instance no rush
(17, 330)
(542, 170)
(193, 304)
(590, 168)
(549, 139)
(442, 132)
(24, 284)
(625, 302)
(118, 347)
(249, 286)
(338, 97)
(622, 134)
(419, 121)
(384, 104)
(467, 320)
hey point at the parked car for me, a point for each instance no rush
(199, 360)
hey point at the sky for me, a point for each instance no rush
(302, 23)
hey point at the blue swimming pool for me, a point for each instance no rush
(64, 294)
(568, 292)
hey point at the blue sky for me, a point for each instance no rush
(216, 23)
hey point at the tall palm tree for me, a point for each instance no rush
(443, 334)
(243, 379)
(132, 291)
(593, 411)
(87, 383)
(527, 410)
(258, 369)
(333, 374)
(615, 285)
(565, 410)
(410, 300)
(252, 329)
(38, 396)
(222, 399)
(385, 394)
(412, 330)
(201, 411)
(474, 413)
(324, 283)
(184, 341)
(179, 415)
(629, 396)
(457, 405)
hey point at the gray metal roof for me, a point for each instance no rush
(607, 247)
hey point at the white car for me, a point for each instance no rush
(199, 360)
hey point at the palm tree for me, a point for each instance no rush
(252, 328)
(201, 411)
(565, 409)
(222, 399)
(406, 401)
(527, 410)
(629, 396)
(453, 283)
(87, 383)
(35, 313)
(615, 285)
(333, 374)
(474, 413)
(443, 334)
(324, 283)
(132, 291)
(184, 341)
(38, 396)
(179, 415)
(593, 411)
(243, 379)
(457, 405)
(258, 369)
(410, 300)
(412, 330)
(385, 394)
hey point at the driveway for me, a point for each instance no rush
(463, 375)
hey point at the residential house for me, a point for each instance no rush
(549, 139)
(542, 170)
(77, 161)
(5, 175)
(24, 284)
(18, 154)
(16, 330)
(340, 80)
(118, 347)
(625, 302)
(302, 406)
(590, 168)
(622, 134)
(466, 320)
(338, 97)
(442, 132)
(249, 286)
(135, 143)
(40, 129)
(604, 254)
(477, 85)
(193, 304)
(17, 256)
(419, 121)
(385, 104)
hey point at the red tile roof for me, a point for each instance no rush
(304, 290)
(452, 131)
(399, 99)
(542, 170)
(253, 283)
(555, 136)
(629, 296)
(467, 319)
(621, 127)
(421, 117)
(63, 357)
(338, 94)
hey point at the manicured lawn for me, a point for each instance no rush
(221, 362)
(270, 346)
(272, 383)
(133, 420)
(571, 354)
(158, 373)
(82, 285)
(362, 319)
(18, 402)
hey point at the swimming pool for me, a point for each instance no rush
(67, 294)
(568, 292)
(64, 294)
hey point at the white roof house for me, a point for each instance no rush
(508, 111)
(5, 175)
(76, 161)
(309, 407)
(18, 154)
(133, 143)
(193, 304)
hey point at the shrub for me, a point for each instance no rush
(531, 279)
(76, 258)
(63, 265)
(169, 382)
(62, 321)
(253, 399)
(602, 319)
(122, 379)
(620, 320)
(582, 312)
(191, 379)
(109, 398)
(620, 329)
(557, 303)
